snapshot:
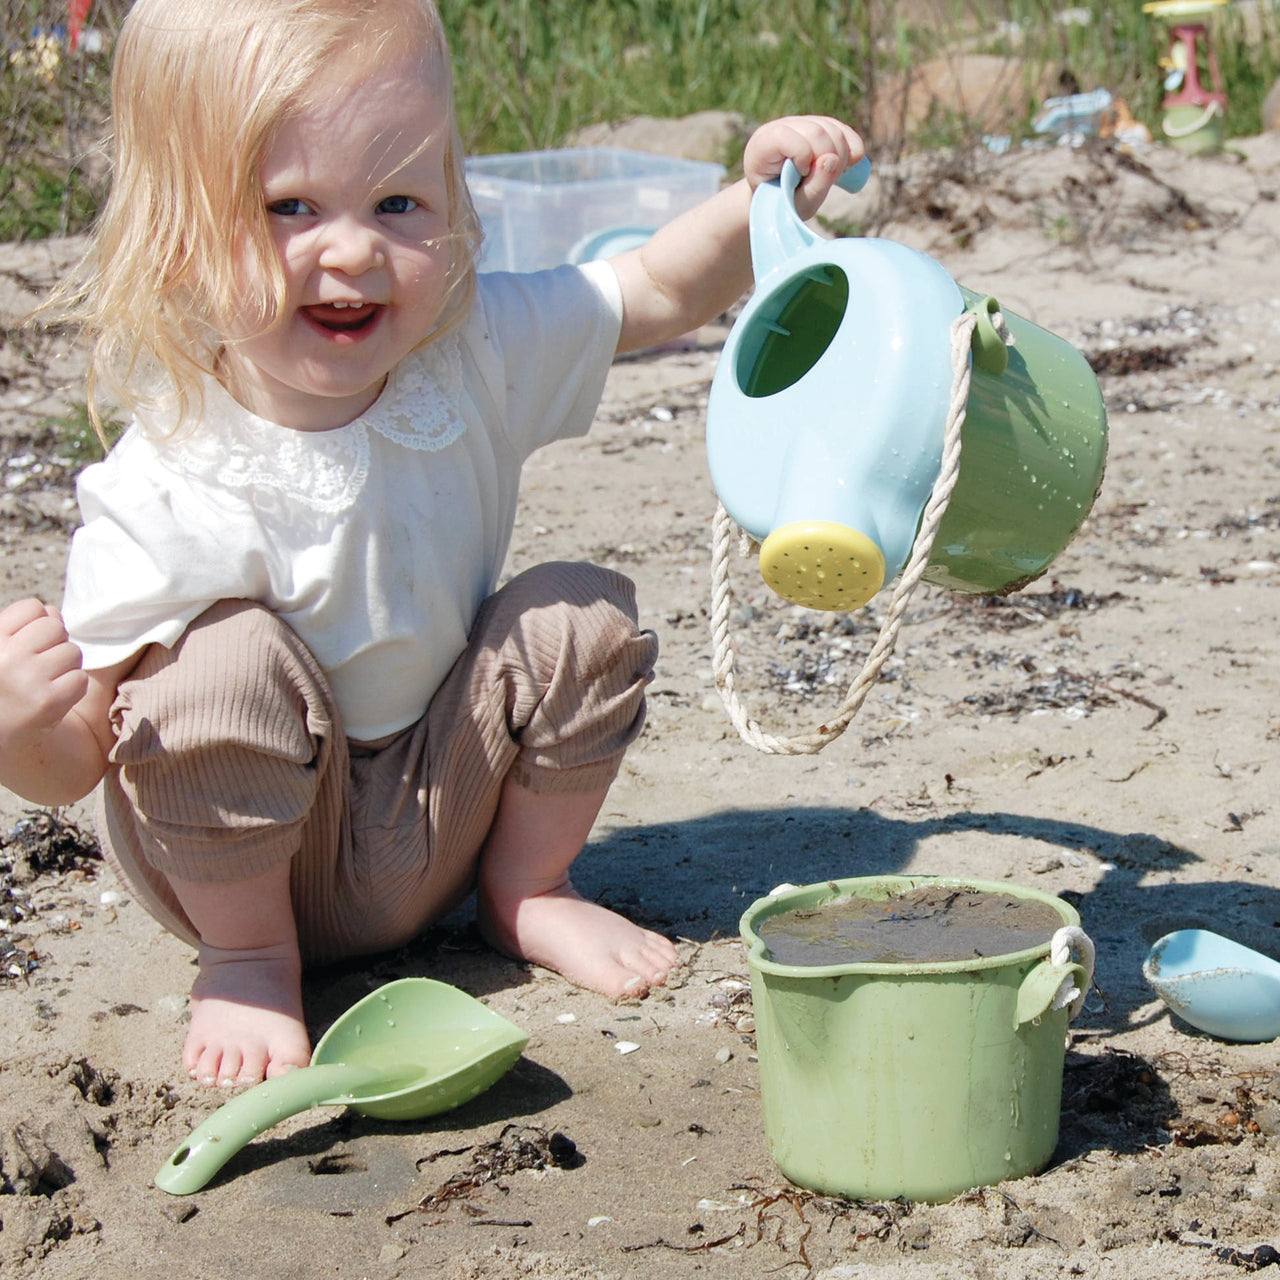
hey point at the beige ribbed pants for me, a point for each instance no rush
(231, 757)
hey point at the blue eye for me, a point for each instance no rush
(289, 208)
(397, 204)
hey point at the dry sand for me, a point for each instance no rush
(1109, 735)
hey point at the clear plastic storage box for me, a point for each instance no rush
(542, 208)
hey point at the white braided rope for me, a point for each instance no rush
(722, 529)
(1066, 940)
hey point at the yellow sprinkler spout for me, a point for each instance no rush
(822, 565)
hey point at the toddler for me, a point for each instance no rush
(313, 723)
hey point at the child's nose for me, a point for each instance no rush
(350, 247)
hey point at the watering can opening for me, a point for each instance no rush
(790, 330)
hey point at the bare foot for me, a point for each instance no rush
(589, 944)
(246, 1016)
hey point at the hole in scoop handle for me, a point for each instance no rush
(239, 1121)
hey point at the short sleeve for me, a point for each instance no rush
(544, 346)
(149, 558)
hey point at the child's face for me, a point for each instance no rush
(356, 196)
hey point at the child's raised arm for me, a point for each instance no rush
(55, 725)
(698, 265)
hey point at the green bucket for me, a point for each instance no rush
(1034, 453)
(915, 1080)
(1194, 129)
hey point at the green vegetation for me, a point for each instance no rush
(78, 442)
(53, 109)
(528, 72)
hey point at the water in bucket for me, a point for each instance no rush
(827, 412)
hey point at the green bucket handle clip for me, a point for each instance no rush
(1057, 981)
(990, 346)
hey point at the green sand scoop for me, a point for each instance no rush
(411, 1049)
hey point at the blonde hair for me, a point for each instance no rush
(199, 89)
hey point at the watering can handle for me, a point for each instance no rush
(777, 231)
(855, 177)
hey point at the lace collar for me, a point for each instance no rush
(419, 408)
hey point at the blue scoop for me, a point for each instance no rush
(1217, 985)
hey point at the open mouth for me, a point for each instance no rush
(342, 318)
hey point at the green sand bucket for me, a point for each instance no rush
(919, 1080)
(1194, 119)
(1195, 130)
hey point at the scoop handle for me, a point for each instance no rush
(239, 1121)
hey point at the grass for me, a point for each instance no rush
(77, 439)
(529, 72)
(53, 109)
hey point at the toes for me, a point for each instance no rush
(224, 1066)
(253, 1065)
(205, 1062)
(229, 1068)
(658, 958)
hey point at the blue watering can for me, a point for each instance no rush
(826, 419)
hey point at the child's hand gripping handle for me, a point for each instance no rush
(777, 231)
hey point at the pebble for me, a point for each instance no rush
(724, 1055)
(110, 898)
(626, 1046)
(175, 1004)
(566, 1018)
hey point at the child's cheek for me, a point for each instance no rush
(254, 301)
(430, 272)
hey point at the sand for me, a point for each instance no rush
(1107, 735)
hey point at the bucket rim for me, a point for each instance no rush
(825, 891)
